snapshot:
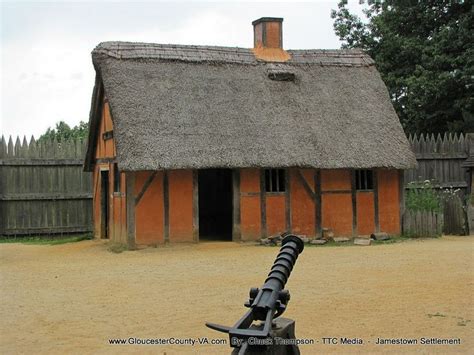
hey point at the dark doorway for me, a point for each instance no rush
(104, 204)
(215, 204)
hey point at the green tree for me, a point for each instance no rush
(424, 51)
(63, 132)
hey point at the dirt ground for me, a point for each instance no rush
(73, 298)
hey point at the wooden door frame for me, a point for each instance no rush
(104, 204)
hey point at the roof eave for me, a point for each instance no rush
(94, 121)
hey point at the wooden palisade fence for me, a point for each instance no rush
(422, 223)
(43, 188)
(440, 160)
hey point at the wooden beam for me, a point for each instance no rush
(104, 204)
(318, 204)
(305, 184)
(250, 194)
(354, 203)
(130, 197)
(437, 156)
(195, 205)
(40, 162)
(263, 204)
(288, 200)
(145, 186)
(376, 200)
(166, 207)
(94, 128)
(236, 232)
(105, 160)
(339, 192)
(46, 196)
(48, 230)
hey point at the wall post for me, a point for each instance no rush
(236, 232)
(130, 198)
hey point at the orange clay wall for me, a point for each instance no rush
(149, 216)
(389, 201)
(365, 213)
(336, 200)
(250, 226)
(276, 215)
(302, 204)
(180, 205)
(149, 212)
(250, 209)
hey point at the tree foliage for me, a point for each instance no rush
(63, 132)
(424, 51)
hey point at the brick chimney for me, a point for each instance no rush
(268, 39)
(267, 32)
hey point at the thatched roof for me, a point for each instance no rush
(177, 107)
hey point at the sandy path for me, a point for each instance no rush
(72, 298)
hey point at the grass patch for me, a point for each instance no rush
(392, 240)
(331, 244)
(413, 236)
(117, 248)
(47, 239)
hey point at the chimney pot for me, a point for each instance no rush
(267, 32)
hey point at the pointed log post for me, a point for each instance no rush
(3, 147)
(17, 147)
(130, 198)
(33, 148)
(24, 148)
(10, 148)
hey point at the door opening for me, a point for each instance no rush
(104, 204)
(215, 204)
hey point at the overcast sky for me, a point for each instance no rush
(46, 69)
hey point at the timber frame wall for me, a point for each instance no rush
(316, 199)
(162, 206)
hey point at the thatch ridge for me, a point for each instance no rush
(216, 54)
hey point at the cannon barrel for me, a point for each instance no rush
(268, 302)
(271, 291)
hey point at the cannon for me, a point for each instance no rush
(272, 335)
